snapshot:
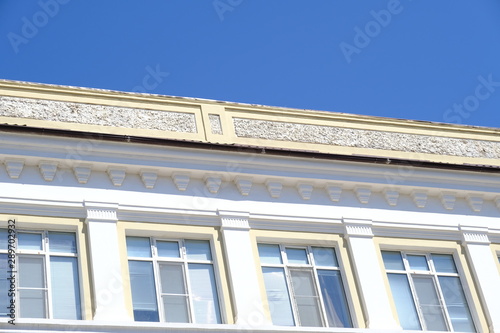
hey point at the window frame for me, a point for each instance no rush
(409, 273)
(155, 260)
(312, 266)
(46, 254)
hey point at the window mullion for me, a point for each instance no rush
(187, 282)
(48, 279)
(157, 279)
(442, 302)
(416, 302)
(291, 294)
(320, 297)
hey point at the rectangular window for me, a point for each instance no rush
(46, 275)
(173, 281)
(304, 286)
(427, 292)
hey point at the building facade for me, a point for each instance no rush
(124, 212)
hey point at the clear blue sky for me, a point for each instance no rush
(422, 60)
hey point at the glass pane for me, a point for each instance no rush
(269, 254)
(296, 256)
(198, 250)
(306, 297)
(418, 263)
(277, 296)
(334, 298)
(29, 241)
(403, 299)
(428, 301)
(62, 242)
(138, 247)
(204, 294)
(31, 274)
(3, 240)
(32, 303)
(456, 304)
(444, 263)
(324, 256)
(393, 260)
(65, 288)
(175, 309)
(172, 279)
(143, 291)
(4, 285)
(168, 249)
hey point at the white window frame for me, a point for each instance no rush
(435, 276)
(155, 259)
(312, 265)
(45, 254)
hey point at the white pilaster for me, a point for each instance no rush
(477, 246)
(376, 301)
(105, 262)
(241, 266)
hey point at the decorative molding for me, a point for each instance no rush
(82, 173)
(419, 198)
(357, 228)
(448, 200)
(181, 180)
(274, 187)
(244, 185)
(14, 167)
(363, 138)
(117, 175)
(48, 170)
(98, 114)
(305, 190)
(391, 196)
(334, 192)
(474, 235)
(363, 194)
(475, 202)
(213, 183)
(149, 178)
(101, 211)
(215, 124)
(234, 220)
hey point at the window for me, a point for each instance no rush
(172, 281)
(304, 286)
(427, 292)
(45, 275)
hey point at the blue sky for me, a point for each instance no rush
(422, 60)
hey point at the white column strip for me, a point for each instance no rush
(375, 298)
(105, 261)
(241, 266)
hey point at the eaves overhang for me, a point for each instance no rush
(207, 124)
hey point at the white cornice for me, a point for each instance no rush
(331, 178)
